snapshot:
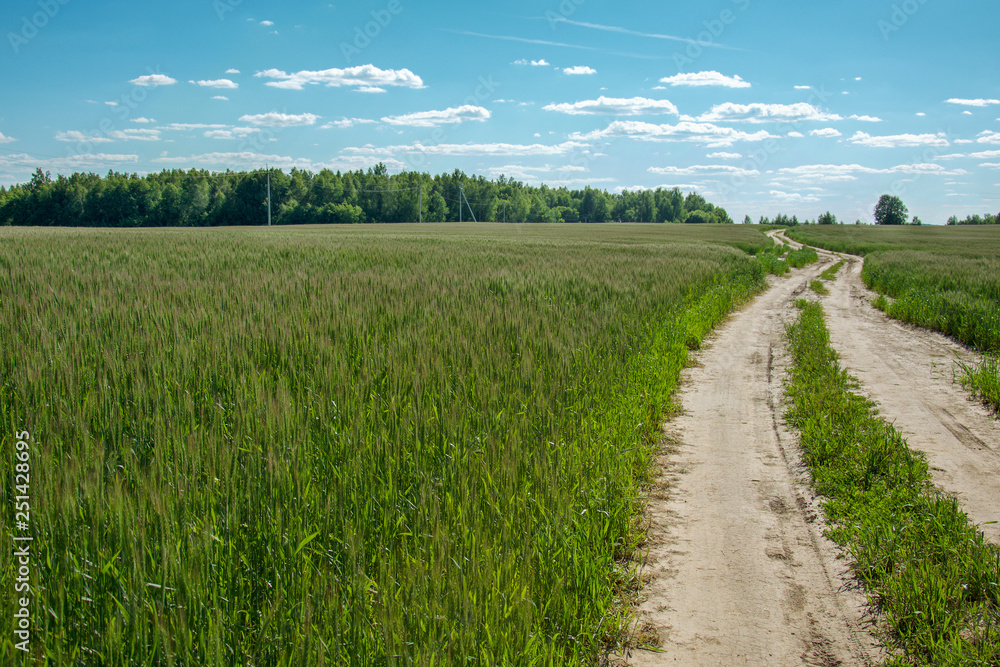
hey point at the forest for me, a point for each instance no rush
(199, 198)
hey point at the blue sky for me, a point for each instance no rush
(795, 107)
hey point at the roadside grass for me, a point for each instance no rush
(773, 264)
(802, 257)
(983, 379)
(819, 287)
(831, 273)
(944, 279)
(381, 445)
(929, 571)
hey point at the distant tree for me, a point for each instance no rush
(890, 210)
(698, 218)
(827, 219)
(916, 221)
(747, 220)
(953, 220)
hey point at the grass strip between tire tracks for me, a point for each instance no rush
(925, 566)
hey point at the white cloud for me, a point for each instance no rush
(813, 173)
(767, 113)
(966, 113)
(71, 163)
(217, 83)
(233, 133)
(825, 132)
(803, 87)
(991, 165)
(724, 156)
(362, 76)
(372, 90)
(4, 139)
(612, 106)
(267, 24)
(153, 80)
(713, 136)
(220, 97)
(135, 135)
(964, 141)
(183, 127)
(112, 104)
(345, 123)
(450, 116)
(712, 78)
(275, 119)
(704, 170)
(251, 160)
(579, 70)
(79, 137)
(793, 197)
(921, 114)
(143, 120)
(472, 149)
(973, 103)
(988, 137)
(523, 62)
(897, 140)
(796, 135)
(232, 71)
(866, 119)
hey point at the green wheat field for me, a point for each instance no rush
(392, 445)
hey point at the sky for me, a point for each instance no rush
(761, 107)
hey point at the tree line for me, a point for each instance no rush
(197, 198)
(988, 219)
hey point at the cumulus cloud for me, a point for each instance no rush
(713, 136)
(813, 173)
(4, 139)
(793, 197)
(803, 87)
(471, 149)
(232, 133)
(724, 156)
(898, 140)
(988, 137)
(251, 160)
(71, 163)
(767, 113)
(184, 127)
(579, 70)
(825, 132)
(523, 62)
(712, 78)
(363, 76)
(275, 119)
(973, 103)
(220, 97)
(704, 170)
(135, 135)
(613, 106)
(866, 119)
(267, 24)
(345, 123)
(796, 135)
(76, 136)
(450, 116)
(153, 80)
(217, 83)
(142, 120)
(232, 71)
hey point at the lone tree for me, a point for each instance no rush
(890, 211)
(827, 219)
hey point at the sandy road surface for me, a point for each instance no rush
(909, 372)
(738, 570)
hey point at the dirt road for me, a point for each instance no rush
(738, 570)
(909, 373)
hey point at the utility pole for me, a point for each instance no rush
(461, 196)
(268, 194)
